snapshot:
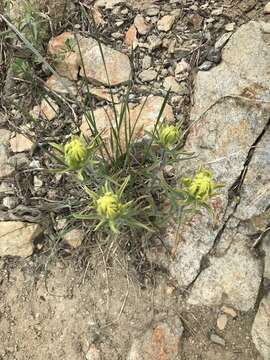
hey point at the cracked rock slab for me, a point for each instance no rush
(261, 328)
(233, 279)
(231, 111)
(16, 238)
(160, 342)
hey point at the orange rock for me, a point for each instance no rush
(131, 37)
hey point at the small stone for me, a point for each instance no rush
(153, 11)
(222, 40)
(60, 85)
(18, 161)
(166, 23)
(196, 20)
(37, 182)
(4, 136)
(104, 94)
(141, 25)
(261, 327)
(171, 84)
(206, 65)
(20, 143)
(214, 55)
(217, 340)
(117, 35)
(146, 62)
(148, 75)
(74, 238)
(222, 321)
(217, 12)
(230, 27)
(131, 37)
(17, 238)
(93, 353)
(154, 42)
(10, 202)
(182, 70)
(161, 341)
(266, 9)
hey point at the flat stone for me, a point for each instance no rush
(230, 27)
(223, 40)
(60, 85)
(146, 62)
(66, 60)
(217, 340)
(141, 25)
(20, 143)
(92, 66)
(171, 84)
(131, 37)
(148, 75)
(227, 120)
(16, 238)
(266, 9)
(6, 169)
(229, 311)
(160, 342)
(104, 94)
(4, 136)
(74, 238)
(234, 278)
(166, 23)
(261, 328)
(222, 321)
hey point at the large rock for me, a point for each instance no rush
(16, 238)
(161, 342)
(117, 64)
(83, 53)
(261, 328)
(233, 279)
(231, 111)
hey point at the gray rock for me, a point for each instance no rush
(255, 191)
(148, 75)
(222, 40)
(10, 202)
(146, 62)
(214, 55)
(160, 341)
(227, 120)
(16, 238)
(171, 84)
(206, 65)
(261, 328)
(234, 278)
(217, 340)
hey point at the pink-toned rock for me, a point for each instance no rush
(60, 85)
(141, 25)
(93, 68)
(104, 94)
(131, 37)
(48, 109)
(66, 59)
(20, 143)
(74, 238)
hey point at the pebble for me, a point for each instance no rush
(10, 202)
(74, 238)
(217, 12)
(229, 311)
(153, 11)
(206, 65)
(154, 42)
(20, 143)
(141, 25)
(214, 55)
(230, 26)
(171, 84)
(148, 75)
(146, 62)
(267, 8)
(166, 23)
(217, 340)
(222, 321)
(93, 353)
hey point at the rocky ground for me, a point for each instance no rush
(205, 297)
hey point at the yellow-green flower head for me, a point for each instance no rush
(75, 153)
(168, 135)
(202, 186)
(108, 206)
